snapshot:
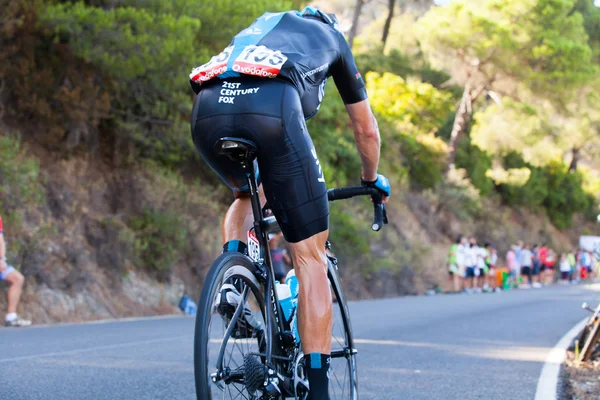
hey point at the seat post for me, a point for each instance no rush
(254, 196)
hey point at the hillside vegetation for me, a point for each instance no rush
(488, 111)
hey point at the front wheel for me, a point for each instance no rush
(343, 377)
(591, 341)
(230, 331)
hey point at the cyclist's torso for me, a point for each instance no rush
(303, 51)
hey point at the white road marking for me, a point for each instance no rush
(88, 349)
(112, 320)
(548, 382)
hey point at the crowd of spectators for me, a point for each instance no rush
(474, 268)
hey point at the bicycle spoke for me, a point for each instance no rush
(235, 342)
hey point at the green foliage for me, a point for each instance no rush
(19, 177)
(542, 43)
(552, 188)
(418, 108)
(591, 22)
(425, 165)
(159, 238)
(565, 195)
(375, 61)
(477, 162)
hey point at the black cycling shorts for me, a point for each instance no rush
(269, 113)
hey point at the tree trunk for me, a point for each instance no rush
(574, 159)
(354, 28)
(388, 22)
(460, 121)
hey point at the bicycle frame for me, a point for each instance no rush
(262, 227)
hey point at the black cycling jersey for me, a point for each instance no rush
(303, 48)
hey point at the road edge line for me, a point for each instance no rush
(547, 386)
(110, 320)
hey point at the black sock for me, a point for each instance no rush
(318, 376)
(235, 245)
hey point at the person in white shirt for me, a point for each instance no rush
(461, 258)
(526, 262)
(565, 269)
(471, 263)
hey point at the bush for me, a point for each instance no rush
(159, 238)
(19, 178)
(476, 162)
(425, 166)
(559, 192)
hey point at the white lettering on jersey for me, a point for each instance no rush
(314, 71)
(254, 60)
(216, 66)
(321, 93)
(259, 61)
(250, 31)
(314, 154)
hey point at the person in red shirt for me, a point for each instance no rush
(15, 280)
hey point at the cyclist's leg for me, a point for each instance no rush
(238, 218)
(296, 191)
(315, 316)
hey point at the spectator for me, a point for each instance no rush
(593, 266)
(573, 263)
(490, 262)
(535, 272)
(15, 280)
(279, 258)
(565, 269)
(471, 263)
(453, 273)
(513, 265)
(461, 258)
(586, 265)
(543, 254)
(526, 262)
(550, 261)
(481, 272)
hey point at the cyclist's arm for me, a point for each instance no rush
(352, 89)
(366, 135)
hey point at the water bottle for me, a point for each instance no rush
(292, 282)
(285, 299)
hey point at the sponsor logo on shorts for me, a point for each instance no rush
(229, 91)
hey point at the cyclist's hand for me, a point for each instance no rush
(382, 184)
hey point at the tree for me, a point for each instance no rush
(355, 18)
(388, 22)
(508, 47)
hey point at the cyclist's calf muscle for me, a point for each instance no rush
(239, 219)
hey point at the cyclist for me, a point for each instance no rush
(261, 88)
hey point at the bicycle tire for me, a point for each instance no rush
(584, 334)
(593, 338)
(348, 338)
(243, 269)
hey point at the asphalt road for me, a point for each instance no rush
(486, 346)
